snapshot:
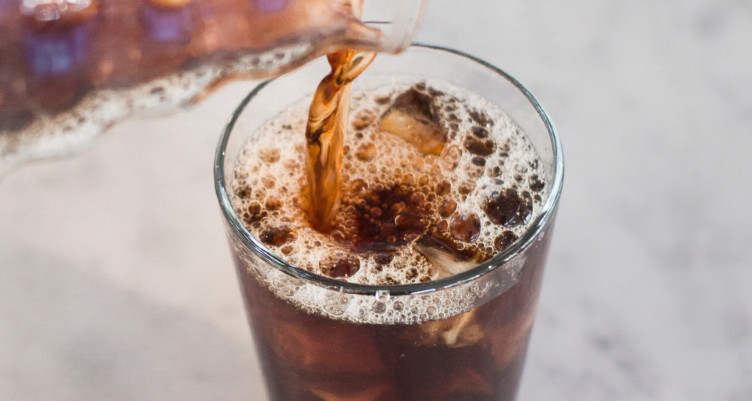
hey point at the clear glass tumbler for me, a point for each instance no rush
(320, 338)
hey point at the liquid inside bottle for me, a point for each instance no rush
(72, 68)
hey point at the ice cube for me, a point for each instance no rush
(413, 118)
(315, 346)
(509, 340)
(444, 255)
(370, 393)
(469, 383)
(455, 332)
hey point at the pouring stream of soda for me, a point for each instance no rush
(327, 121)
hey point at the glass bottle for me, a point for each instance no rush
(71, 68)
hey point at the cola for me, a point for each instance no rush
(55, 53)
(318, 355)
(71, 68)
(327, 122)
(399, 293)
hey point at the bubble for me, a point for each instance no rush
(277, 236)
(334, 309)
(536, 184)
(443, 188)
(269, 155)
(479, 161)
(268, 182)
(273, 203)
(255, 212)
(466, 187)
(481, 118)
(366, 152)
(480, 132)
(363, 120)
(451, 158)
(504, 240)
(508, 208)
(383, 258)
(479, 147)
(465, 227)
(344, 266)
(408, 179)
(244, 192)
(447, 207)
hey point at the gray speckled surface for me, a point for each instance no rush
(116, 283)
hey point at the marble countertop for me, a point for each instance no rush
(116, 282)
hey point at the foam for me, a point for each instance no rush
(281, 176)
(269, 171)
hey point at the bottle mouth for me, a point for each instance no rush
(537, 226)
(398, 21)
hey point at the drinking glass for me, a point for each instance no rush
(460, 337)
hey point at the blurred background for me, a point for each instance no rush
(116, 282)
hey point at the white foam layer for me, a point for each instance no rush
(271, 166)
(270, 177)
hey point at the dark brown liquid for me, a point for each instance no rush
(55, 54)
(327, 120)
(477, 355)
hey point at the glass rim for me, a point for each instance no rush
(543, 219)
